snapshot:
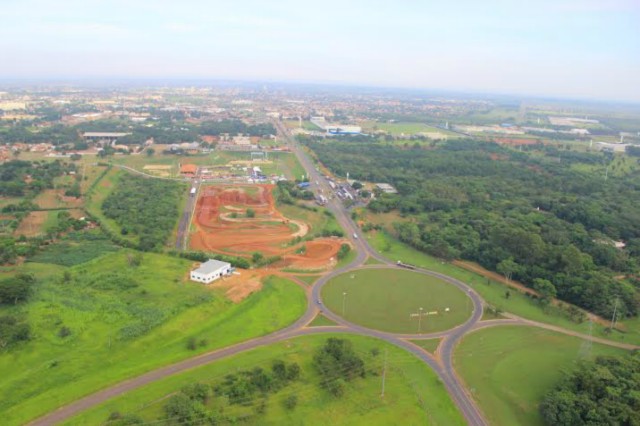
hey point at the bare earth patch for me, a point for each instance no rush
(240, 285)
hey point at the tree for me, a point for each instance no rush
(601, 392)
(279, 370)
(149, 152)
(507, 267)
(251, 213)
(545, 289)
(16, 289)
(293, 371)
(356, 185)
(337, 363)
(182, 410)
(257, 257)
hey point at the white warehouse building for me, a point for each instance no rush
(210, 271)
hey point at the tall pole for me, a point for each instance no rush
(420, 321)
(613, 318)
(344, 302)
(384, 372)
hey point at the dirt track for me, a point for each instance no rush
(223, 226)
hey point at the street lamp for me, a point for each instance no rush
(420, 322)
(344, 302)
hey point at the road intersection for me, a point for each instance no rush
(441, 362)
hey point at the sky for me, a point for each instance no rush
(562, 48)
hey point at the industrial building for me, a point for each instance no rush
(103, 136)
(336, 128)
(210, 271)
(386, 188)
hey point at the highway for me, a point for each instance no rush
(444, 368)
(441, 363)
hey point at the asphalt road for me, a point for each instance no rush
(185, 219)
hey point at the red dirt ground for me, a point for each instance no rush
(269, 232)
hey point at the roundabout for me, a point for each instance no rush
(394, 300)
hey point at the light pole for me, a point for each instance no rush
(420, 322)
(344, 301)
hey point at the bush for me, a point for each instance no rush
(64, 332)
(344, 250)
(290, 402)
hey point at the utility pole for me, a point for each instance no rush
(585, 348)
(420, 322)
(344, 302)
(384, 372)
(613, 318)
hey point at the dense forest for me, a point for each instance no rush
(603, 392)
(544, 217)
(144, 208)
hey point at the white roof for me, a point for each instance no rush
(105, 134)
(211, 265)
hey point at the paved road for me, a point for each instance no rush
(442, 363)
(185, 219)
(444, 369)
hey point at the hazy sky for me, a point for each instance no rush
(577, 48)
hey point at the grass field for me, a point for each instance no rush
(413, 394)
(493, 292)
(317, 220)
(384, 299)
(510, 368)
(75, 248)
(406, 128)
(124, 321)
(320, 321)
(94, 200)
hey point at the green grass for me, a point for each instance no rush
(493, 292)
(397, 129)
(317, 220)
(126, 321)
(351, 255)
(413, 393)
(372, 261)
(509, 369)
(384, 299)
(308, 279)
(320, 321)
(75, 248)
(94, 200)
(430, 345)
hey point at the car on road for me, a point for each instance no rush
(355, 235)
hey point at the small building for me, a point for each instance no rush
(210, 271)
(188, 169)
(386, 188)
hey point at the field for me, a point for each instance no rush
(100, 191)
(132, 319)
(384, 299)
(33, 224)
(75, 248)
(494, 293)
(413, 394)
(222, 225)
(169, 165)
(510, 368)
(407, 129)
(55, 198)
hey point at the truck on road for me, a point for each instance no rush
(405, 265)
